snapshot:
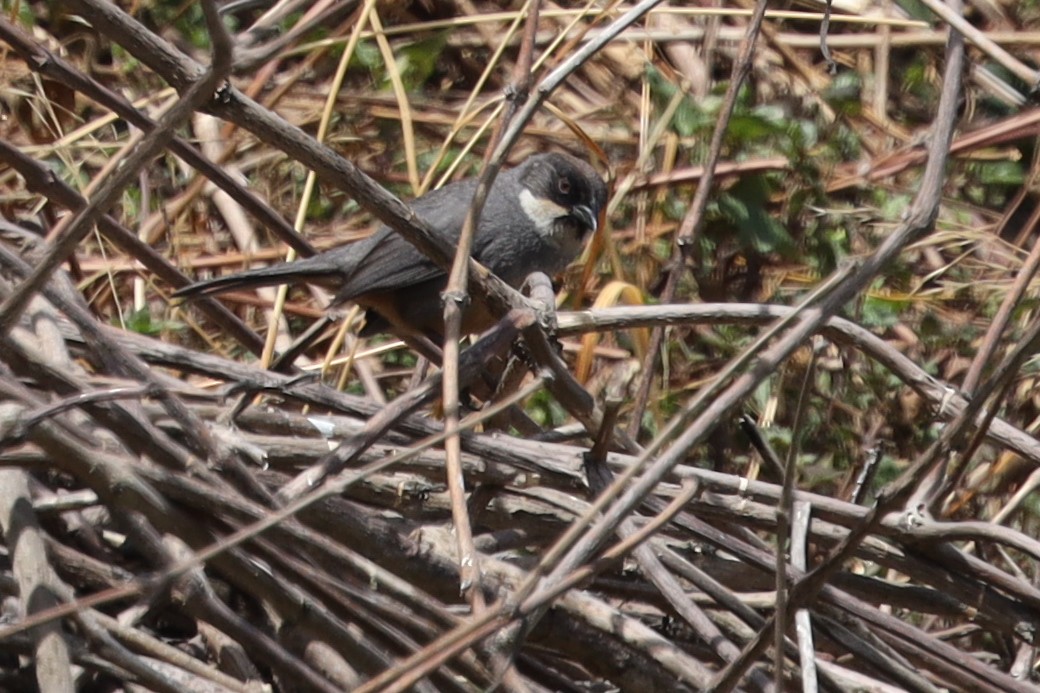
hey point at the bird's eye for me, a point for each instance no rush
(564, 186)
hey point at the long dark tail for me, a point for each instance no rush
(313, 270)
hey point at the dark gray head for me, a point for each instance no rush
(562, 195)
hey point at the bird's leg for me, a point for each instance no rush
(542, 300)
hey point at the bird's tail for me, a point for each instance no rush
(313, 270)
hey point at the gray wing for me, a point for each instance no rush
(386, 261)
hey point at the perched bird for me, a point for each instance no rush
(536, 218)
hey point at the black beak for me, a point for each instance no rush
(585, 215)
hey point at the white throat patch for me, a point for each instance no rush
(543, 213)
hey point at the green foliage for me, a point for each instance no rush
(1032, 366)
(321, 207)
(1001, 172)
(880, 310)
(398, 358)
(469, 166)
(826, 246)
(416, 61)
(143, 322)
(991, 182)
(844, 93)
(841, 143)
(746, 207)
(891, 206)
(763, 123)
(759, 399)
(915, 9)
(186, 18)
(23, 11)
(673, 209)
(767, 130)
(545, 410)
(367, 56)
(690, 118)
(889, 468)
(1031, 504)
(127, 63)
(918, 86)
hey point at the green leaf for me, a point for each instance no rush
(916, 9)
(367, 55)
(1004, 172)
(748, 127)
(745, 206)
(844, 93)
(142, 322)
(690, 118)
(881, 311)
(418, 61)
(892, 207)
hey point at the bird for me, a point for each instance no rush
(536, 218)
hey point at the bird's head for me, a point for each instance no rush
(563, 196)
